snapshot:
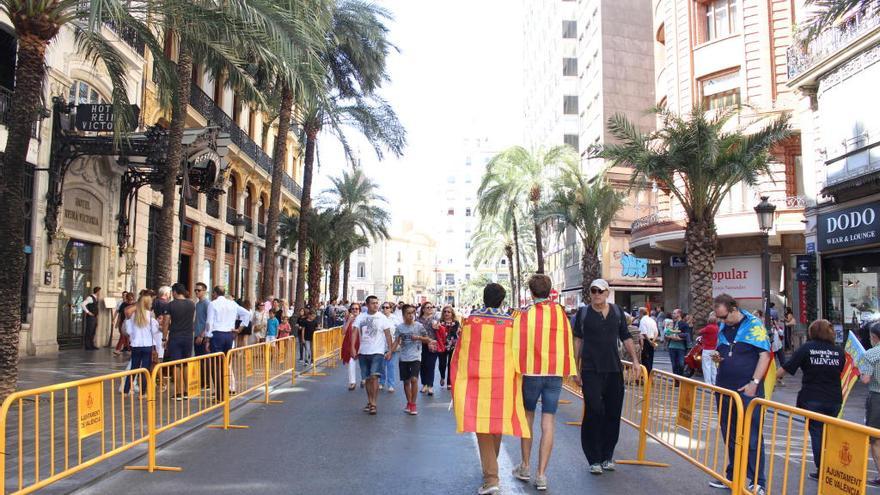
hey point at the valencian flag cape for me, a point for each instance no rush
(751, 331)
(855, 358)
(486, 390)
(543, 343)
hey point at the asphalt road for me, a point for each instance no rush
(319, 441)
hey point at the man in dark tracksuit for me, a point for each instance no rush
(598, 326)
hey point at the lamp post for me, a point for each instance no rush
(766, 215)
(238, 225)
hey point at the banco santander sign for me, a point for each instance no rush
(855, 226)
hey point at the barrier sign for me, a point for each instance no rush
(90, 408)
(687, 398)
(282, 350)
(193, 379)
(249, 362)
(844, 461)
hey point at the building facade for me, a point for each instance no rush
(835, 75)
(717, 54)
(103, 240)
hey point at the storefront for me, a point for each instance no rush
(848, 242)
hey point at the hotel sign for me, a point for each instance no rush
(855, 226)
(83, 212)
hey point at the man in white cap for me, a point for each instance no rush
(598, 326)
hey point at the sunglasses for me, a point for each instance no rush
(596, 290)
(429, 307)
(387, 307)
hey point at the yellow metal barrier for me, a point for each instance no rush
(786, 431)
(282, 358)
(246, 369)
(49, 433)
(326, 348)
(693, 420)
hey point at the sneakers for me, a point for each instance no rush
(717, 484)
(596, 469)
(608, 466)
(408, 405)
(412, 409)
(814, 475)
(488, 490)
(873, 482)
(756, 489)
(541, 483)
(390, 390)
(521, 473)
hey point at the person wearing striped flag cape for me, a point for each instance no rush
(486, 389)
(544, 354)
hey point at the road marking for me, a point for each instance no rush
(509, 484)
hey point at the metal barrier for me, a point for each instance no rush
(785, 432)
(694, 420)
(282, 358)
(326, 347)
(247, 369)
(51, 432)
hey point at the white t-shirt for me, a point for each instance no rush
(372, 332)
(648, 327)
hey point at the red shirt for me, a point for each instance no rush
(710, 337)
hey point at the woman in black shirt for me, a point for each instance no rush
(822, 361)
(308, 324)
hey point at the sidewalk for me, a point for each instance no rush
(68, 365)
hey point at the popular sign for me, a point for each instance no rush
(849, 227)
(739, 277)
(90, 409)
(98, 117)
(844, 461)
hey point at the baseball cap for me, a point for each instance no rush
(600, 283)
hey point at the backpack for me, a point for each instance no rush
(579, 317)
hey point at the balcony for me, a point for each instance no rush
(856, 157)
(203, 103)
(802, 58)
(261, 230)
(231, 214)
(129, 36)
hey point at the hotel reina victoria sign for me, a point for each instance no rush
(98, 117)
(850, 227)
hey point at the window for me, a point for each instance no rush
(504, 262)
(722, 19)
(81, 92)
(399, 256)
(570, 105)
(362, 251)
(467, 277)
(450, 212)
(720, 91)
(362, 270)
(569, 66)
(245, 251)
(467, 212)
(572, 140)
(467, 245)
(450, 279)
(229, 245)
(569, 29)
(209, 239)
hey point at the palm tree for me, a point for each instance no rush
(517, 176)
(322, 223)
(36, 25)
(828, 12)
(493, 239)
(288, 228)
(697, 161)
(338, 253)
(588, 205)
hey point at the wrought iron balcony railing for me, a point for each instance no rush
(6, 105)
(129, 36)
(829, 42)
(230, 215)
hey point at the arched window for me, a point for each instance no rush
(82, 92)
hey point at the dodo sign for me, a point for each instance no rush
(849, 227)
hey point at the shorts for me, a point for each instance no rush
(547, 388)
(371, 365)
(409, 369)
(872, 410)
(178, 348)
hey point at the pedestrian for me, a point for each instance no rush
(449, 327)
(272, 328)
(743, 357)
(870, 375)
(374, 336)
(309, 324)
(329, 319)
(429, 319)
(200, 342)
(790, 323)
(543, 368)
(386, 381)
(89, 307)
(709, 336)
(220, 328)
(298, 331)
(599, 327)
(647, 338)
(181, 325)
(126, 308)
(146, 338)
(677, 341)
(284, 328)
(349, 349)
(410, 337)
(481, 380)
(245, 329)
(822, 362)
(661, 317)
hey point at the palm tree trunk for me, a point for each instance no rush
(700, 241)
(590, 270)
(539, 248)
(30, 73)
(279, 159)
(165, 233)
(346, 271)
(305, 205)
(516, 287)
(508, 253)
(334, 281)
(314, 276)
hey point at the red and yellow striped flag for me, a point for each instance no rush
(486, 391)
(543, 342)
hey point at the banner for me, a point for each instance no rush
(844, 461)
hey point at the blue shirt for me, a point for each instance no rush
(201, 315)
(740, 347)
(272, 327)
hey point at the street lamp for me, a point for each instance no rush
(238, 226)
(59, 245)
(766, 215)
